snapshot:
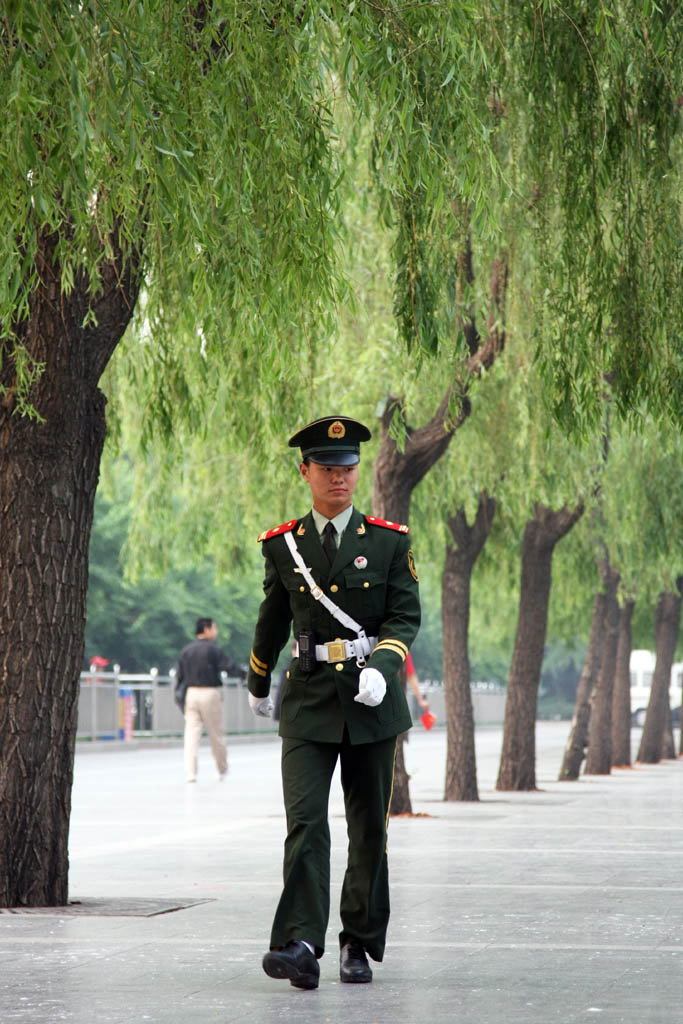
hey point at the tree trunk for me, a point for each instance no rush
(667, 624)
(394, 480)
(400, 793)
(518, 758)
(668, 744)
(599, 753)
(461, 765)
(621, 697)
(48, 478)
(399, 469)
(575, 749)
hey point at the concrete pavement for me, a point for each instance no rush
(557, 907)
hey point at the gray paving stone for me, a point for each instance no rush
(558, 907)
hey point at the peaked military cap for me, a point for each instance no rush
(331, 441)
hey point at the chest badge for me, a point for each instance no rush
(360, 562)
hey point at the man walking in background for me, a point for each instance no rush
(199, 695)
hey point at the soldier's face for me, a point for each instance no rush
(332, 487)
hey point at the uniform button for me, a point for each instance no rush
(366, 584)
(334, 588)
(339, 666)
(302, 589)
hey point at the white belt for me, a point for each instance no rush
(344, 650)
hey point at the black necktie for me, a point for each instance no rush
(329, 543)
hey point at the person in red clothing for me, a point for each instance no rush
(413, 683)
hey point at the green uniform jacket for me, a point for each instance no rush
(382, 596)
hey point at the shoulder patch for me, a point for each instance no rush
(399, 527)
(277, 530)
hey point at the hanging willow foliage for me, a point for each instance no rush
(206, 134)
(593, 105)
(578, 160)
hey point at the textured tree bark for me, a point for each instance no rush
(667, 624)
(396, 473)
(400, 793)
(668, 743)
(48, 477)
(575, 749)
(599, 753)
(621, 697)
(398, 470)
(461, 763)
(518, 758)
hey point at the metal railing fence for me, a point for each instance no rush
(119, 706)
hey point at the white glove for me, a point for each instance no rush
(371, 687)
(262, 707)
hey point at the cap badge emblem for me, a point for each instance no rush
(360, 562)
(336, 430)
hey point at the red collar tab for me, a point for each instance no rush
(399, 527)
(277, 530)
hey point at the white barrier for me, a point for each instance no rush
(118, 706)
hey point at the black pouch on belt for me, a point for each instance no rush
(306, 641)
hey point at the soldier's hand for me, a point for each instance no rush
(371, 687)
(262, 707)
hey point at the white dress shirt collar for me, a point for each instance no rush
(340, 522)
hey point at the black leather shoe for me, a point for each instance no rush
(353, 964)
(294, 961)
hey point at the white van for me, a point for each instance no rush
(642, 667)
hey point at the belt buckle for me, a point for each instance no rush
(336, 650)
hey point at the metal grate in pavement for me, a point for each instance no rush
(117, 907)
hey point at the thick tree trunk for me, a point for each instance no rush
(399, 469)
(461, 765)
(668, 743)
(394, 480)
(667, 624)
(518, 758)
(575, 749)
(48, 477)
(599, 753)
(621, 697)
(400, 793)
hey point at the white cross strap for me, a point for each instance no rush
(317, 592)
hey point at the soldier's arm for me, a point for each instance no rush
(402, 617)
(272, 630)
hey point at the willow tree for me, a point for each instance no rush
(593, 108)
(653, 745)
(176, 163)
(634, 540)
(154, 151)
(581, 111)
(646, 545)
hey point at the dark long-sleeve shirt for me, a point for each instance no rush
(201, 663)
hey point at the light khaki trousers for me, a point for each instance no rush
(204, 707)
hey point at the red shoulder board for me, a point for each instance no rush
(277, 530)
(390, 526)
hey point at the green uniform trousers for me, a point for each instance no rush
(367, 773)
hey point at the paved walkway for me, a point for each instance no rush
(559, 906)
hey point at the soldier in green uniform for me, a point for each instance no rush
(347, 586)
